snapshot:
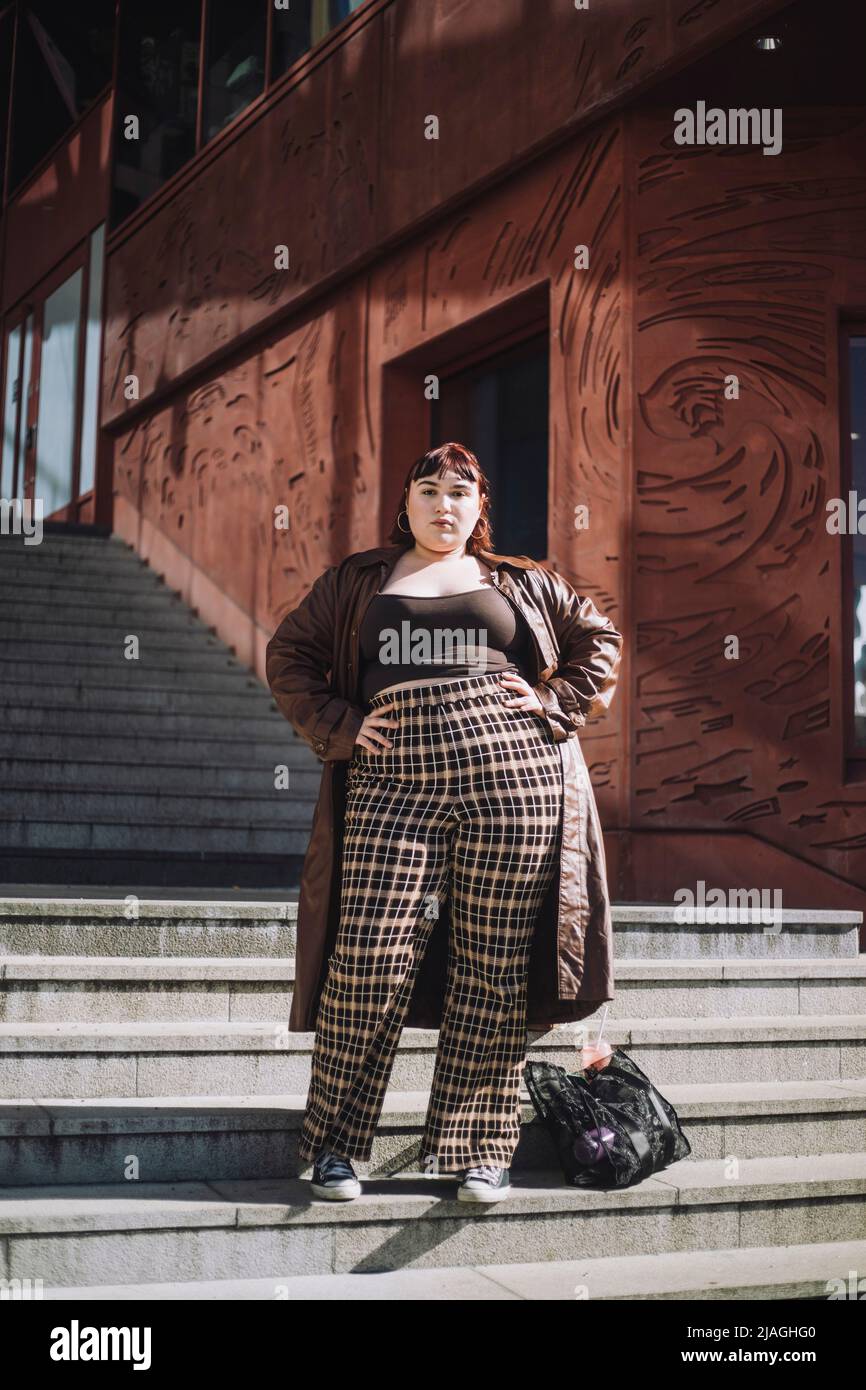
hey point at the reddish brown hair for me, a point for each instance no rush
(458, 459)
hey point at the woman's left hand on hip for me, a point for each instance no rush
(526, 699)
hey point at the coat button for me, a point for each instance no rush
(320, 747)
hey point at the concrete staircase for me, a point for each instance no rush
(151, 1101)
(155, 771)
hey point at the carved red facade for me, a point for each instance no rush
(260, 387)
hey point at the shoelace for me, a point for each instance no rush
(331, 1162)
(486, 1171)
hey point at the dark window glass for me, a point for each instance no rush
(857, 428)
(63, 61)
(235, 67)
(7, 26)
(302, 25)
(498, 409)
(291, 35)
(158, 83)
(338, 10)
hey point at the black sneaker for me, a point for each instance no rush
(334, 1177)
(484, 1183)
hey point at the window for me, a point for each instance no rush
(158, 78)
(63, 60)
(53, 359)
(7, 29)
(303, 24)
(498, 409)
(235, 65)
(92, 360)
(58, 374)
(157, 81)
(15, 400)
(854, 450)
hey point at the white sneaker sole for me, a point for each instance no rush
(472, 1194)
(337, 1194)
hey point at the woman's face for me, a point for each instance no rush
(448, 499)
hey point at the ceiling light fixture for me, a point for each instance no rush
(768, 44)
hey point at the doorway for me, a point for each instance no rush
(52, 358)
(498, 408)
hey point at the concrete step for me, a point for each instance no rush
(214, 1058)
(120, 598)
(190, 635)
(199, 1138)
(132, 1232)
(43, 778)
(23, 581)
(50, 749)
(161, 870)
(30, 891)
(101, 661)
(170, 925)
(74, 720)
(81, 804)
(762, 1272)
(72, 545)
(120, 699)
(204, 1058)
(139, 924)
(651, 932)
(25, 566)
(105, 989)
(134, 835)
(207, 672)
(724, 988)
(164, 611)
(46, 559)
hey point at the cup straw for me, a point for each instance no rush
(601, 1025)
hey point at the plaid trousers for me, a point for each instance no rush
(467, 802)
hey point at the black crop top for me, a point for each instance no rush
(405, 638)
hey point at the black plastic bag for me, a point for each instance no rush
(610, 1125)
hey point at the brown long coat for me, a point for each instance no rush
(313, 671)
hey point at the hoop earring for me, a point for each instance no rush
(403, 528)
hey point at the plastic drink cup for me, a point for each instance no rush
(595, 1056)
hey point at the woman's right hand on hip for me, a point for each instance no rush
(368, 736)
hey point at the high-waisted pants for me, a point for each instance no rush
(465, 805)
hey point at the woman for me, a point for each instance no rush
(410, 664)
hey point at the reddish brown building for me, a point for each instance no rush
(332, 241)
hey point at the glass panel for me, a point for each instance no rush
(498, 409)
(11, 397)
(63, 60)
(26, 378)
(341, 9)
(12, 477)
(158, 83)
(7, 26)
(303, 24)
(291, 35)
(92, 354)
(235, 65)
(857, 426)
(55, 431)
